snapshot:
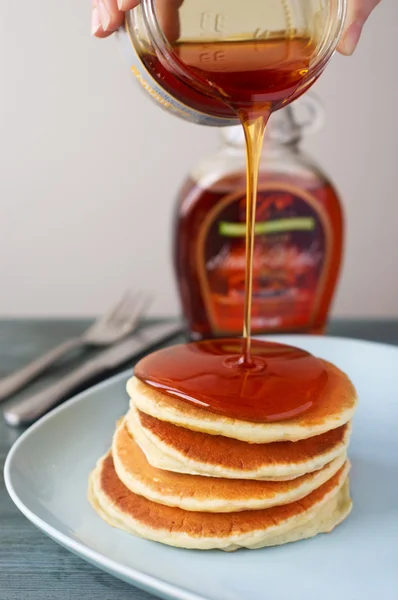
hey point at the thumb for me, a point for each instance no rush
(357, 14)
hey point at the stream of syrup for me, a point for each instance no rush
(257, 381)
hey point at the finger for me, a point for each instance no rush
(357, 15)
(96, 23)
(125, 5)
(111, 17)
(100, 33)
(96, 28)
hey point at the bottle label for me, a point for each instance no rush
(158, 93)
(292, 251)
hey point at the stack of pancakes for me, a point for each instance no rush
(187, 477)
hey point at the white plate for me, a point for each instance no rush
(46, 475)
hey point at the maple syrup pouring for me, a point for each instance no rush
(254, 133)
(260, 381)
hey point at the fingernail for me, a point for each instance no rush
(121, 4)
(104, 14)
(351, 38)
(95, 21)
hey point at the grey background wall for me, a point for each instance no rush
(87, 187)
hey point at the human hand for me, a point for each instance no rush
(108, 15)
(358, 12)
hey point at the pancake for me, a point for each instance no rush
(207, 494)
(174, 448)
(335, 410)
(318, 512)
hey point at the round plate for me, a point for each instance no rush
(47, 469)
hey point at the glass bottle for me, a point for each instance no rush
(298, 243)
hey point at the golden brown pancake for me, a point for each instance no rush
(174, 448)
(334, 410)
(208, 494)
(318, 512)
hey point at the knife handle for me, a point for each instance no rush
(31, 408)
(12, 383)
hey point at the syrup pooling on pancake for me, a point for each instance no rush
(335, 409)
(280, 383)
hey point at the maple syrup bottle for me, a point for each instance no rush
(298, 235)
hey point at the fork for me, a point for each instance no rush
(115, 324)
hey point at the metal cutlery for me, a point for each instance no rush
(118, 322)
(31, 408)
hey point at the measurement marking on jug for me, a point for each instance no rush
(212, 22)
